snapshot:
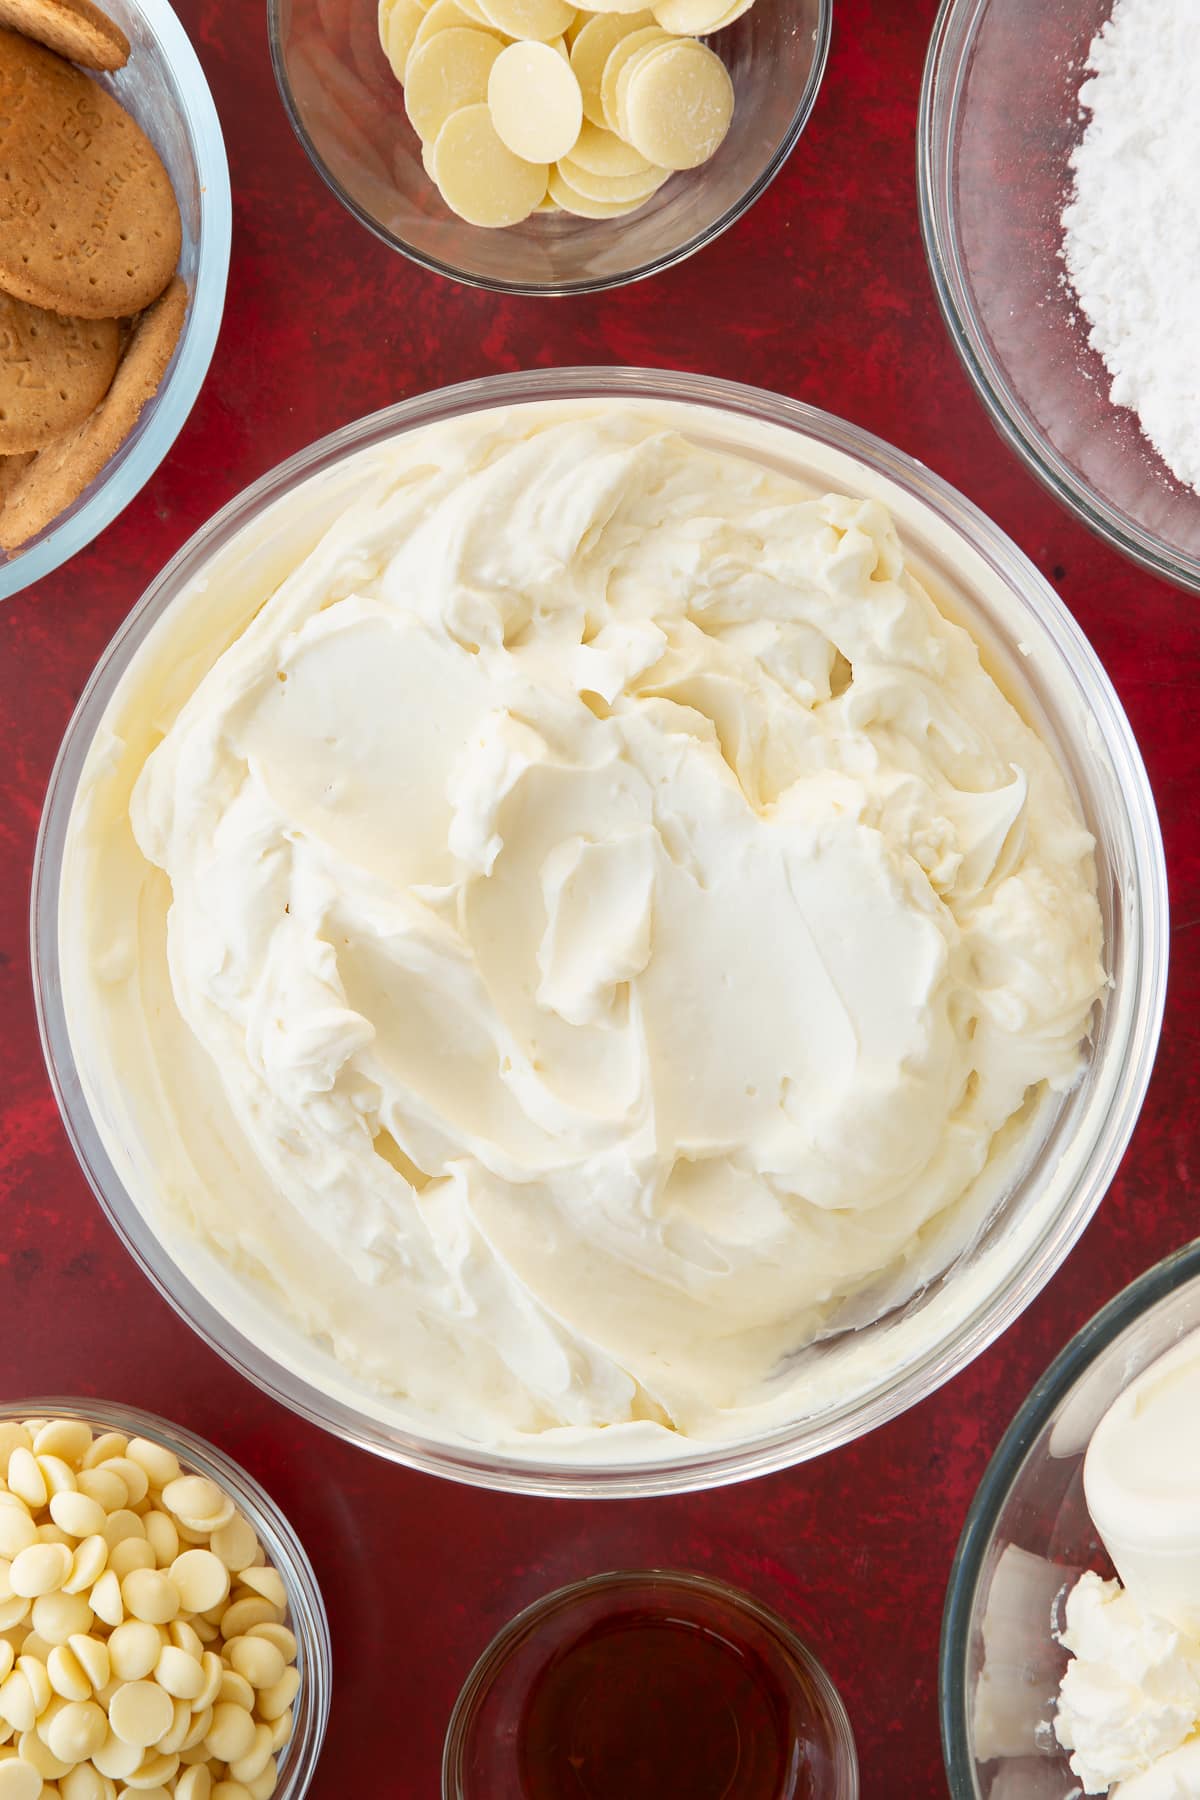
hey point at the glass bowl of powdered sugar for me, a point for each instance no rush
(1059, 141)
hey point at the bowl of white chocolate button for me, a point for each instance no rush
(599, 932)
(161, 1629)
(536, 146)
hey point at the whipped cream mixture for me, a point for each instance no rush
(1129, 1705)
(596, 918)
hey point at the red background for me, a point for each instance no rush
(820, 291)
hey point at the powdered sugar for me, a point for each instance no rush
(1132, 227)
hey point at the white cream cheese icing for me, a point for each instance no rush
(595, 920)
(1129, 1704)
(1131, 1693)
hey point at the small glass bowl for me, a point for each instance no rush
(164, 88)
(306, 1610)
(1000, 117)
(347, 109)
(488, 1727)
(1028, 1537)
(864, 1374)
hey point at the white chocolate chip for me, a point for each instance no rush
(179, 1673)
(231, 1734)
(42, 1569)
(77, 1514)
(25, 1479)
(535, 102)
(140, 1713)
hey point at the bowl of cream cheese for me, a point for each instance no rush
(599, 932)
(1071, 1640)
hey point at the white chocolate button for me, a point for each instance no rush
(180, 1674)
(161, 1465)
(150, 1595)
(629, 47)
(105, 1599)
(535, 102)
(122, 1524)
(480, 179)
(17, 1531)
(405, 19)
(443, 15)
(39, 1756)
(690, 18)
(257, 1661)
(268, 1583)
(236, 1691)
(109, 1443)
(602, 152)
(13, 1435)
(78, 1731)
(117, 1759)
(231, 1733)
(214, 1669)
(201, 1580)
(58, 1616)
(19, 1782)
(249, 1767)
(162, 1535)
(544, 19)
(87, 1565)
(153, 1773)
(105, 1487)
(58, 1476)
(16, 1702)
(194, 1784)
(130, 1554)
(235, 1544)
(68, 1677)
(183, 1637)
(446, 74)
(593, 43)
(140, 1713)
(678, 105)
(76, 1514)
(25, 1479)
(92, 1655)
(194, 1497)
(41, 1569)
(275, 1700)
(131, 1472)
(84, 1783)
(572, 201)
(623, 189)
(133, 1650)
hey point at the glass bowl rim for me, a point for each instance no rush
(116, 488)
(305, 1603)
(942, 96)
(706, 1466)
(491, 1660)
(558, 289)
(1008, 1460)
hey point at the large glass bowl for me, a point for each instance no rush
(163, 86)
(305, 1608)
(1000, 117)
(863, 1376)
(1028, 1537)
(347, 109)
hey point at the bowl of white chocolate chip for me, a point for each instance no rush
(536, 146)
(161, 1629)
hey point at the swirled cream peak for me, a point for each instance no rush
(620, 916)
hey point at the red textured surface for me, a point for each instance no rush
(821, 291)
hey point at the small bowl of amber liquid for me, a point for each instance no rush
(643, 1686)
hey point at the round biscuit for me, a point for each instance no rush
(58, 475)
(89, 224)
(73, 28)
(53, 371)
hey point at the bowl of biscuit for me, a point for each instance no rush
(115, 223)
